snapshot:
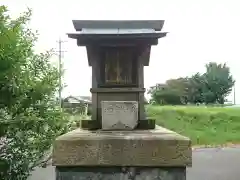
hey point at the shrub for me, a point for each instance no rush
(29, 117)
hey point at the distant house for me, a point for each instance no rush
(81, 102)
(78, 99)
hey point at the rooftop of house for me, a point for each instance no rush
(77, 99)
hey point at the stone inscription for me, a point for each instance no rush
(119, 115)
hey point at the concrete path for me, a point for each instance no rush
(208, 164)
(215, 164)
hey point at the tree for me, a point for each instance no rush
(218, 82)
(211, 87)
(168, 93)
(29, 117)
(180, 87)
(195, 88)
(153, 90)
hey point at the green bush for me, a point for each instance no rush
(30, 118)
(204, 125)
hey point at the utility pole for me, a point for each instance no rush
(60, 55)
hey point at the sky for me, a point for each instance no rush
(200, 31)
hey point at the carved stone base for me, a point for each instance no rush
(156, 148)
(158, 154)
(120, 173)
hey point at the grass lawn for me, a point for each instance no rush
(204, 125)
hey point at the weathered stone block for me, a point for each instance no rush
(119, 115)
(158, 147)
(120, 173)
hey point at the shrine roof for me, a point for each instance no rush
(119, 24)
(120, 34)
(95, 32)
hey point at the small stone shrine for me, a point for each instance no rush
(120, 142)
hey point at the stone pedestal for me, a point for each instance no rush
(114, 155)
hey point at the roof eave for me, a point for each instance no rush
(121, 24)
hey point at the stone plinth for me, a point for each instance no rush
(157, 154)
(147, 148)
(119, 115)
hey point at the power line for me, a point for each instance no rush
(60, 56)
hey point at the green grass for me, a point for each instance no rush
(204, 125)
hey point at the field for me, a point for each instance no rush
(204, 125)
